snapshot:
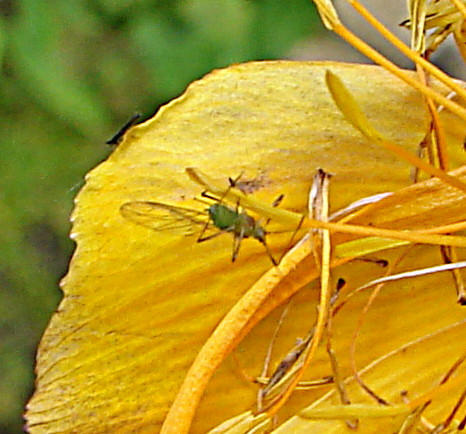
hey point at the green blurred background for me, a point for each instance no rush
(72, 74)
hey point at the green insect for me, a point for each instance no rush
(160, 216)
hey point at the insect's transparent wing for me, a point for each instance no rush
(160, 216)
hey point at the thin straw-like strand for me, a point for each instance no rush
(358, 204)
(446, 423)
(454, 227)
(355, 336)
(416, 273)
(437, 131)
(412, 236)
(357, 331)
(268, 356)
(354, 410)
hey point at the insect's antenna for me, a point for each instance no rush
(232, 184)
(206, 225)
(234, 181)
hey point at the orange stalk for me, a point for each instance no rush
(415, 57)
(438, 391)
(460, 6)
(438, 131)
(354, 114)
(454, 227)
(368, 51)
(412, 236)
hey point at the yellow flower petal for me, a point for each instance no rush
(139, 304)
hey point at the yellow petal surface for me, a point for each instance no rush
(139, 304)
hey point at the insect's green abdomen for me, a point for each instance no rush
(222, 217)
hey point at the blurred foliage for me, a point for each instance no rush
(72, 72)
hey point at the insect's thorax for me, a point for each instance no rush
(223, 217)
(228, 219)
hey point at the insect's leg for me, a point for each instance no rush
(232, 183)
(216, 199)
(201, 235)
(208, 196)
(209, 237)
(275, 203)
(274, 262)
(237, 238)
(290, 243)
(278, 200)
